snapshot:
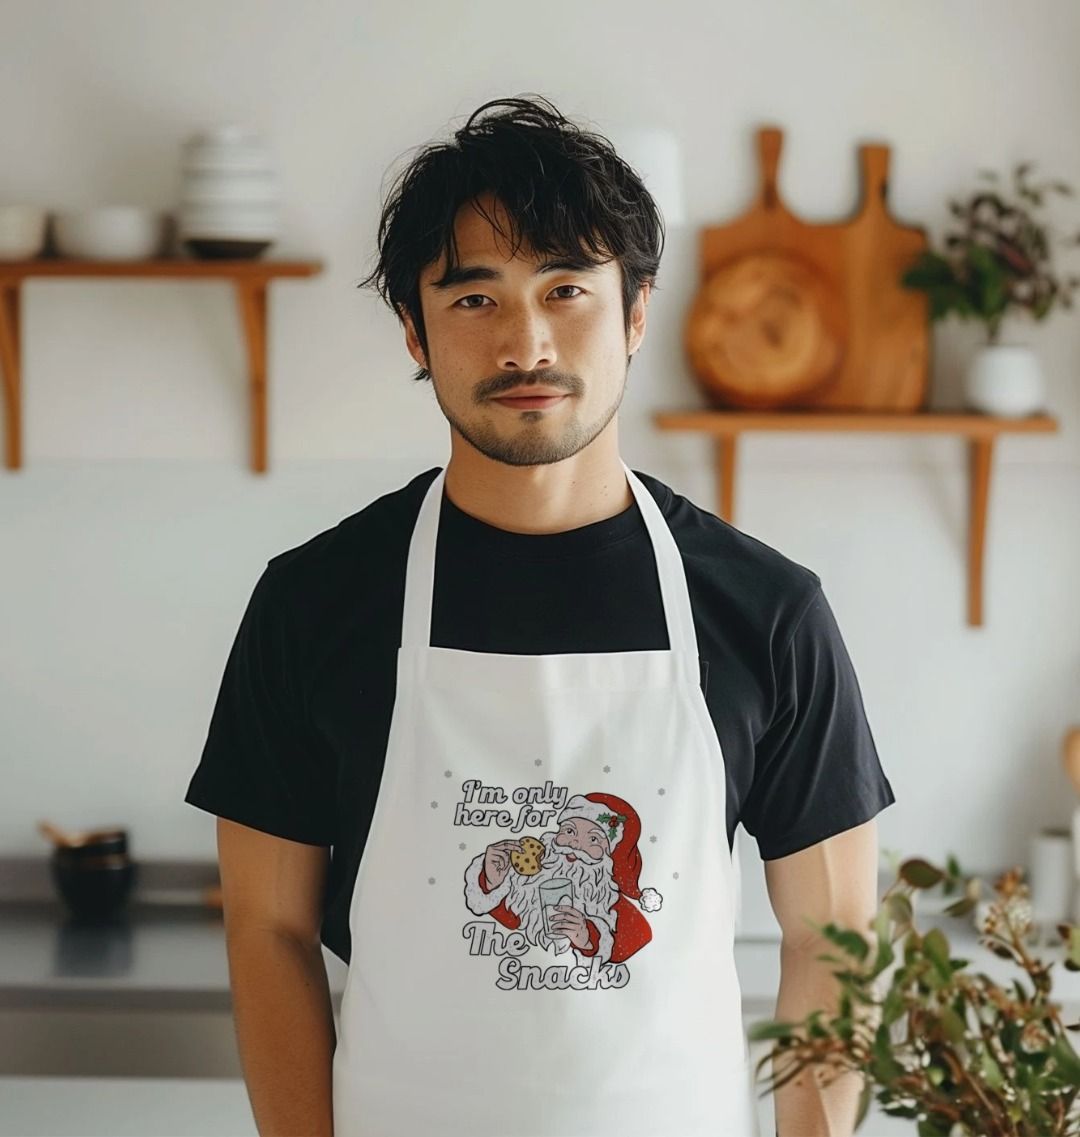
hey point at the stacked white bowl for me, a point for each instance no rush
(229, 194)
(22, 231)
(112, 233)
(106, 233)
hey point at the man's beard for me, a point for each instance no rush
(530, 442)
(592, 883)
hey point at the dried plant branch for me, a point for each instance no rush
(949, 1048)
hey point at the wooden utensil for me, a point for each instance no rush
(811, 315)
(64, 839)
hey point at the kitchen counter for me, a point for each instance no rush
(152, 957)
(123, 1004)
(194, 1107)
(172, 957)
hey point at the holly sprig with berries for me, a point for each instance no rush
(612, 821)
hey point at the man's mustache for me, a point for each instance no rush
(560, 380)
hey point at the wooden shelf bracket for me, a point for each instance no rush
(250, 278)
(980, 431)
(251, 297)
(10, 364)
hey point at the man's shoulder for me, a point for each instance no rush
(363, 544)
(729, 566)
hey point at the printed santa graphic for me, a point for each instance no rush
(595, 848)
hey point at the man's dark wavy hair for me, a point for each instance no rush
(564, 190)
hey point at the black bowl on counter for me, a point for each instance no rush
(99, 842)
(93, 885)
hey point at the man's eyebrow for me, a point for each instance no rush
(466, 274)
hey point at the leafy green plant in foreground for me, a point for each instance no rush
(936, 1042)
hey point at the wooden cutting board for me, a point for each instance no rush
(811, 316)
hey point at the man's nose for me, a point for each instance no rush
(527, 344)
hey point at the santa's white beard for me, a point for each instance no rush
(592, 882)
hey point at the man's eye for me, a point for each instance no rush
(479, 296)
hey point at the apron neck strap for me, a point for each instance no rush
(420, 569)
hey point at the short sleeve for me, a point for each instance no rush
(259, 765)
(816, 767)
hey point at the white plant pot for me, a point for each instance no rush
(1006, 380)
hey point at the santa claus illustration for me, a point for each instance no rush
(595, 849)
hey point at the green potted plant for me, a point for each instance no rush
(997, 262)
(954, 1051)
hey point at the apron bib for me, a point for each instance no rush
(543, 917)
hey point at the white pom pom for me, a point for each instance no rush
(651, 900)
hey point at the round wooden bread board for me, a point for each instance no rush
(766, 328)
(798, 315)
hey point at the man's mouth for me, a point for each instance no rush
(530, 402)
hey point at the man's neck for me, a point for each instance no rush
(588, 487)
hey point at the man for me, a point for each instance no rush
(507, 692)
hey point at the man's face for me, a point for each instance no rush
(501, 328)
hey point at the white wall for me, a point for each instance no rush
(132, 537)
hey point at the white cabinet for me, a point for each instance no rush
(124, 1107)
(122, 1043)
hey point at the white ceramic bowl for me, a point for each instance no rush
(112, 233)
(228, 221)
(225, 211)
(199, 187)
(22, 231)
(227, 161)
(232, 148)
(228, 134)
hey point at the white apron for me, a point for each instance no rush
(543, 917)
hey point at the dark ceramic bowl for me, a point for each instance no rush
(112, 841)
(221, 248)
(93, 887)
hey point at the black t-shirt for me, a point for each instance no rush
(298, 733)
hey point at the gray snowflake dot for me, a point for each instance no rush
(607, 769)
(462, 846)
(675, 875)
(538, 762)
(448, 774)
(431, 880)
(653, 840)
(434, 805)
(661, 791)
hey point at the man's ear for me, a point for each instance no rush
(637, 319)
(412, 341)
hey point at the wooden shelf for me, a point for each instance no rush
(250, 278)
(980, 430)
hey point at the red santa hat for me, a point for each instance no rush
(622, 827)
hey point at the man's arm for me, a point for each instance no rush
(837, 880)
(272, 892)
